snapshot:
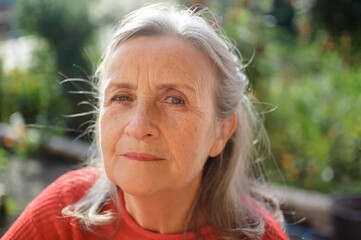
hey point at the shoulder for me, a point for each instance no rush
(73, 184)
(43, 216)
(272, 229)
(67, 189)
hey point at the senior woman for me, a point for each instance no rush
(174, 133)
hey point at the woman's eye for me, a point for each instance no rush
(121, 98)
(174, 100)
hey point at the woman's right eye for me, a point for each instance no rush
(120, 98)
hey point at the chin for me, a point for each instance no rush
(139, 186)
(137, 191)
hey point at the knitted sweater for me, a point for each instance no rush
(42, 218)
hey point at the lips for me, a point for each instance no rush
(144, 157)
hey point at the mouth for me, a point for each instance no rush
(143, 157)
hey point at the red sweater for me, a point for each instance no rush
(42, 218)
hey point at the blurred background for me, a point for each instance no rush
(305, 72)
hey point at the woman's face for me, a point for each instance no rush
(157, 117)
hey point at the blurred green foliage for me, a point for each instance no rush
(11, 205)
(65, 24)
(4, 159)
(316, 130)
(33, 91)
(31, 95)
(312, 75)
(64, 31)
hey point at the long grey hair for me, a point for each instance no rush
(227, 184)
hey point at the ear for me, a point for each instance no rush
(226, 129)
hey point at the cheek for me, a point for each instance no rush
(190, 137)
(190, 143)
(110, 130)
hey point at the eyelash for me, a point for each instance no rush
(114, 99)
(181, 103)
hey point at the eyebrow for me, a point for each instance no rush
(158, 87)
(121, 85)
(174, 85)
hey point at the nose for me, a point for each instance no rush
(142, 123)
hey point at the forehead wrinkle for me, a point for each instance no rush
(182, 76)
(148, 70)
(175, 86)
(118, 77)
(165, 67)
(117, 85)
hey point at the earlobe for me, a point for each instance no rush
(227, 128)
(216, 148)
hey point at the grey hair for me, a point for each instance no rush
(227, 185)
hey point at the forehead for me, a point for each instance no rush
(163, 58)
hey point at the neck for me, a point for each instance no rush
(164, 212)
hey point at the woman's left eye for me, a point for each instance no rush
(174, 100)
